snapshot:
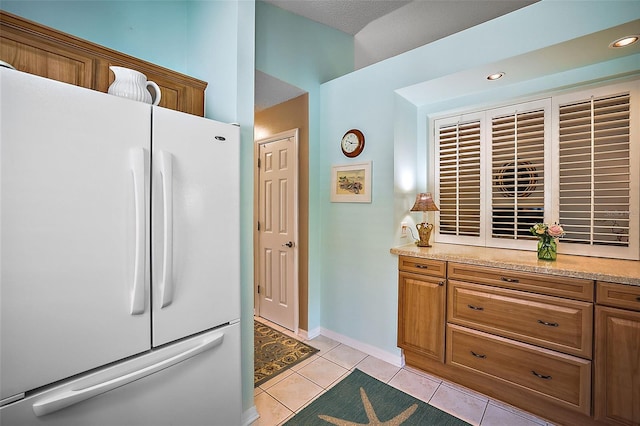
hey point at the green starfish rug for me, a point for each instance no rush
(359, 399)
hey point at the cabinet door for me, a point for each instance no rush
(617, 366)
(179, 92)
(421, 314)
(72, 185)
(46, 59)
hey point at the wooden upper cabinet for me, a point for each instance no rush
(44, 51)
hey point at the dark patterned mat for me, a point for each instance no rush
(275, 352)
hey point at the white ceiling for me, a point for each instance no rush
(557, 59)
(349, 16)
(382, 29)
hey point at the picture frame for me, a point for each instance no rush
(351, 183)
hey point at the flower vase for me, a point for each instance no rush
(547, 249)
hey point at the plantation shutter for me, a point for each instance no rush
(459, 179)
(571, 158)
(595, 171)
(517, 178)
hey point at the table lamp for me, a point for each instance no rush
(424, 203)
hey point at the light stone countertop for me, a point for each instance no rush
(592, 268)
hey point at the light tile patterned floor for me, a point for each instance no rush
(278, 399)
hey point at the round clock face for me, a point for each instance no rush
(352, 143)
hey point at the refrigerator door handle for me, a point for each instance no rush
(79, 393)
(166, 173)
(137, 160)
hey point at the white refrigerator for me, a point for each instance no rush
(119, 261)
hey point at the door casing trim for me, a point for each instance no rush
(288, 134)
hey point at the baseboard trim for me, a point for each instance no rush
(312, 334)
(395, 359)
(250, 416)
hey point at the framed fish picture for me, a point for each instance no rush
(351, 183)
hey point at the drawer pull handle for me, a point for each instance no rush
(476, 308)
(550, 324)
(541, 375)
(510, 280)
(481, 356)
(422, 266)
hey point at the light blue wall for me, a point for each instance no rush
(359, 280)
(304, 54)
(210, 40)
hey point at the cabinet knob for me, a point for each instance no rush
(441, 283)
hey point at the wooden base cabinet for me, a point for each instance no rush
(421, 310)
(522, 338)
(617, 355)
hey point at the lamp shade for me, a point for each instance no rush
(424, 203)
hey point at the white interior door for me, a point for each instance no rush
(278, 229)
(74, 197)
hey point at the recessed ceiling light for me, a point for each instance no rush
(495, 76)
(625, 41)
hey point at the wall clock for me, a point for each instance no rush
(352, 143)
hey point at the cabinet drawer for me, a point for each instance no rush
(574, 288)
(618, 295)
(552, 322)
(418, 265)
(563, 378)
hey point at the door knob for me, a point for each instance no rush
(289, 244)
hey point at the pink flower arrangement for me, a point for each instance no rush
(544, 231)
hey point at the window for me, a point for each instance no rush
(572, 159)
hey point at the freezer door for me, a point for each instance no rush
(192, 383)
(73, 230)
(196, 222)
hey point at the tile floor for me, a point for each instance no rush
(278, 399)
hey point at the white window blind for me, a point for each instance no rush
(459, 178)
(517, 178)
(595, 173)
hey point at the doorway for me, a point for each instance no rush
(277, 253)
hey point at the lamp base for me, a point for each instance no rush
(424, 231)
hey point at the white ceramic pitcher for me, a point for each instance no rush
(133, 85)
